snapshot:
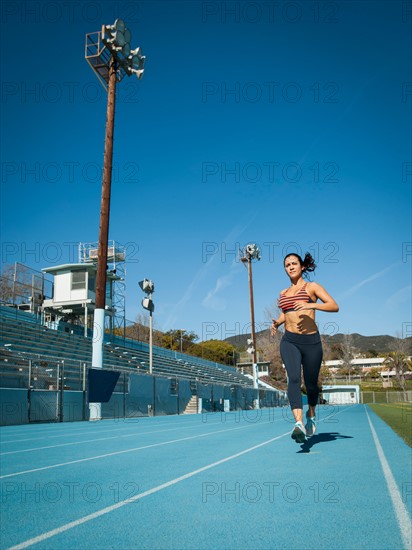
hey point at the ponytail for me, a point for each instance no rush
(308, 263)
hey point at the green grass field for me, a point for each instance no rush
(398, 416)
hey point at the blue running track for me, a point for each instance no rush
(213, 481)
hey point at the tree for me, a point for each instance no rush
(218, 351)
(268, 345)
(21, 284)
(334, 352)
(6, 284)
(178, 339)
(140, 330)
(347, 352)
(400, 363)
(324, 374)
(373, 374)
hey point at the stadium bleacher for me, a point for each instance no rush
(23, 333)
(44, 376)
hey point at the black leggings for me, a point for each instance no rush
(302, 350)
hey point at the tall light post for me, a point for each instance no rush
(147, 303)
(252, 252)
(182, 332)
(109, 55)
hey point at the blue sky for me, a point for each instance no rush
(287, 124)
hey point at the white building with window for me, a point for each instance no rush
(365, 364)
(74, 292)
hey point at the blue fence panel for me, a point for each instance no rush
(13, 407)
(239, 401)
(218, 392)
(166, 401)
(74, 407)
(204, 391)
(140, 397)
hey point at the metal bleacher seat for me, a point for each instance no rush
(25, 334)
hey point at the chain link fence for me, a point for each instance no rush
(37, 388)
(386, 396)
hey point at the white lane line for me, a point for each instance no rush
(135, 434)
(116, 437)
(85, 519)
(86, 432)
(143, 422)
(401, 512)
(125, 451)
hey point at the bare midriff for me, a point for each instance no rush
(301, 322)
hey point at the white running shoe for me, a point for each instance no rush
(310, 425)
(299, 433)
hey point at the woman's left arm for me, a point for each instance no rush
(328, 304)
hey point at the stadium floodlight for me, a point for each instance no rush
(252, 252)
(147, 285)
(251, 348)
(114, 42)
(119, 25)
(148, 304)
(116, 36)
(137, 61)
(108, 54)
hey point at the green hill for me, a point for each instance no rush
(362, 344)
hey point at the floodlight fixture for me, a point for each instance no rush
(137, 52)
(119, 25)
(147, 285)
(137, 59)
(250, 343)
(113, 43)
(147, 303)
(127, 35)
(137, 72)
(118, 40)
(253, 251)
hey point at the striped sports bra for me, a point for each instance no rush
(286, 303)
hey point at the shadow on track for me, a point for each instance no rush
(321, 438)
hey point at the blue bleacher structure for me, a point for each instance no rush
(33, 357)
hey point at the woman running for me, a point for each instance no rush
(301, 344)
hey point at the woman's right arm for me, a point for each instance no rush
(276, 323)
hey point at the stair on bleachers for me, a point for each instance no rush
(191, 407)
